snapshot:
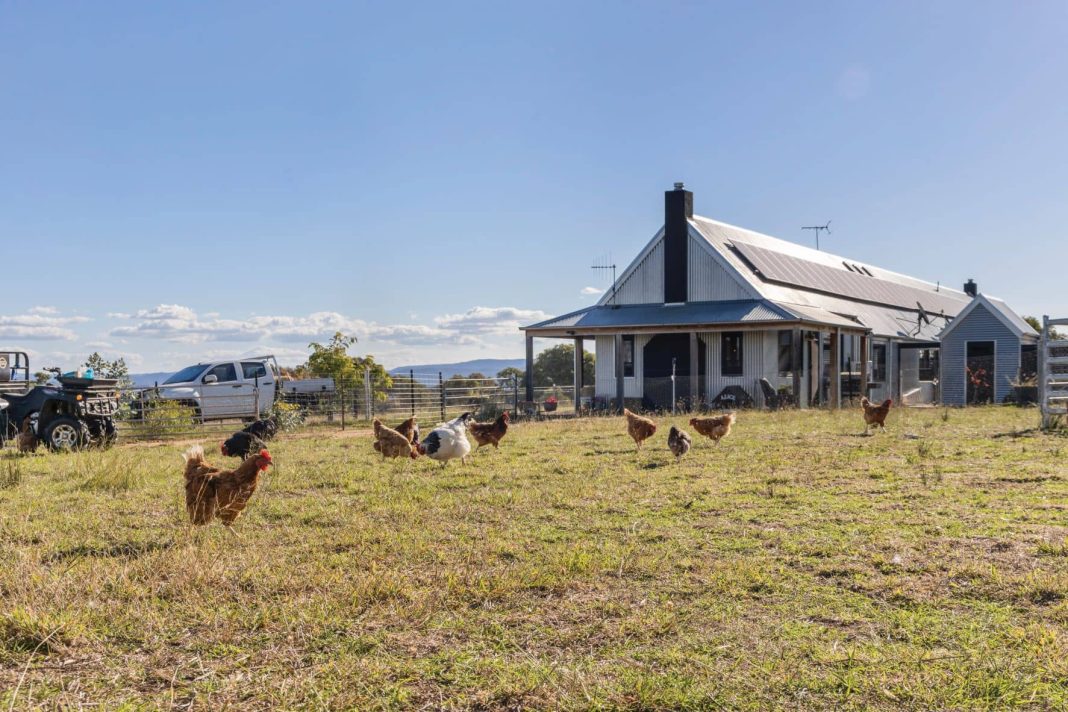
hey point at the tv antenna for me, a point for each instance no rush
(612, 267)
(826, 228)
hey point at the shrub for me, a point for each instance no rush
(288, 416)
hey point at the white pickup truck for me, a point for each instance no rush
(238, 388)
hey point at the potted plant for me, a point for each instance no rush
(550, 404)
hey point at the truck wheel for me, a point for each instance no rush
(65, 433)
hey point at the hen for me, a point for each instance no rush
(263, 429)
(409, 429)
(716, 427)
(392, 443)
(678, 442)
(638, 427)
(241, 444)
(211, 492)
(490, 433)
(27, 438)
(448, 441)
(875, 414)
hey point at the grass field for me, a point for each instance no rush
(798, 565)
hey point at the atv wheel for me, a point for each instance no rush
(65, 433)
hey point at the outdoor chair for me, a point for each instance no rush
(774, 400)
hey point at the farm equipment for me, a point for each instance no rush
(76, 414)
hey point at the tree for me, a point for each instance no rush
(556, 366)
(332, 360)
(102, 368)
(1036, 324)
(511, 371)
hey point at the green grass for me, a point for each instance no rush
(798, 565)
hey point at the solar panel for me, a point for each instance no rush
(794, 271)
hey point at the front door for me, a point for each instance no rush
(979, 373)
(663, 353)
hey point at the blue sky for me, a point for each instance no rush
(192, 180)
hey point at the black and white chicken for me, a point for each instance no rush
(448, 441)
(679, 442)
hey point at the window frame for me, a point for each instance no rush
(628, 345)
(736, 362)
(788, 354)
(878, 371)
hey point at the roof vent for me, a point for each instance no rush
(679, 186)
(971, 288)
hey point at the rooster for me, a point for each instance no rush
(448, 441)
(716, 427)
(392, 443)
(27, 438)
(678, 442)
(875, 414)
(211, 492)
(490, 433)
(638, 427)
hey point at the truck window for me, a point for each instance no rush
(224, 372)
(253, 369)
(189, 373)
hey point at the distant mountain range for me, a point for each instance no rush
(485, 366)
(144, 380)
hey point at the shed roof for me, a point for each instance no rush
(1000, 310)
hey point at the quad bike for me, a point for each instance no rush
(79, 413)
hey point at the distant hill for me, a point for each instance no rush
(485, 366)
(144, 380)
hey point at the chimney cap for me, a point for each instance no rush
(678, 185)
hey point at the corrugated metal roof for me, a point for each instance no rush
(1012, 316)
(805, 273)
(689, 314)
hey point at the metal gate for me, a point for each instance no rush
(1052, 373)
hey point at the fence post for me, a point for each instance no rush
(368, 391)
(441, 395)
(515, 395)
(341, 405)
(411, 390)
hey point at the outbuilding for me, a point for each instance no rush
(987, 351)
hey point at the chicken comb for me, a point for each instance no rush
(265, 455)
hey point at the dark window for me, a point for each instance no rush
(786, 352)
(928, 364)
(731, 364)
(189, 373)
(253, 369)
(628, 356)
(225, 372)
(878, 362)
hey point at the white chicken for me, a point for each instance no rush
(448, 441)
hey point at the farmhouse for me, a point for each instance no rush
(716, 315)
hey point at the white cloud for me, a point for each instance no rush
(591, 291)
(491, 320)
(39, 325)
(181, 324)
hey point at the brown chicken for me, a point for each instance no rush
(716, 427)
(391, 443)
(409, 429)
(490, 433)
(639, 427)
(211, 492)
(27, 439)
(875, 414)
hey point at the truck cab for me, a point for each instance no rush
(237, 388)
